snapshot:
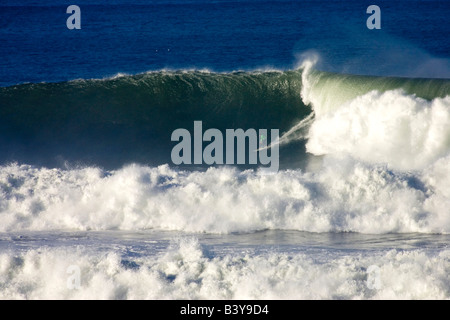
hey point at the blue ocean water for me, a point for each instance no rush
(93, 207)
(138, 36)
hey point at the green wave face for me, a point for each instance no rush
(126, 119)
(131, 118)
(328, 91)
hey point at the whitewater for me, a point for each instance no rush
(364, 184)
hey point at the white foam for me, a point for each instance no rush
(185, 272)
(400, 130)
(403, 131)
(343, 195)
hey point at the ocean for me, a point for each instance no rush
(115, 181)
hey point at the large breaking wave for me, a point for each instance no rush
(379, 153)
(129, 119)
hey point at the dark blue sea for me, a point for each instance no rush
(106, 190)
(132, 37)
